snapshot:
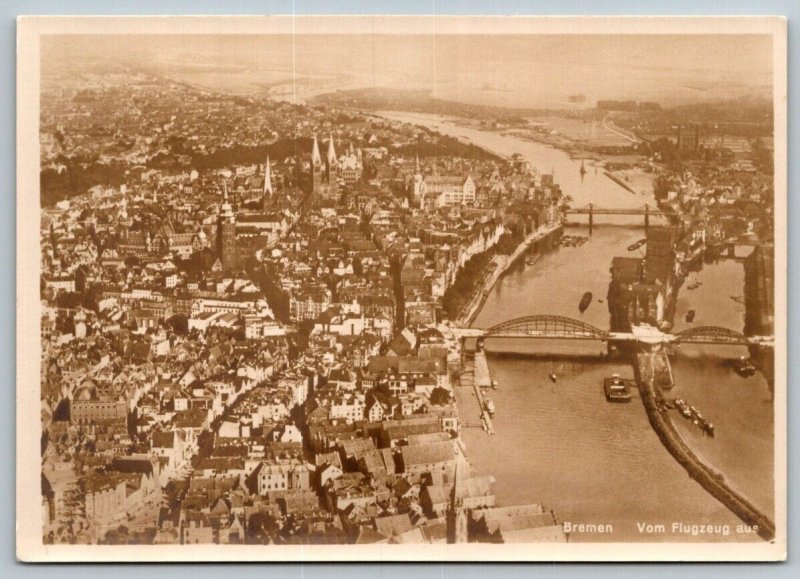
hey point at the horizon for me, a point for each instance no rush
(495, 70)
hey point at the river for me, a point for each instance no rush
(561, 443)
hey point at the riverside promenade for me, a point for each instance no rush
(479, 295)
(708, 478)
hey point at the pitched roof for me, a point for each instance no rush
(427, 453)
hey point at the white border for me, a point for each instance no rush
(29, 547)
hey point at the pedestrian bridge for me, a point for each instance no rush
(546, 326)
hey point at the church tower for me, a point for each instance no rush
(332, 169)
(226, 233)
(266, 194)
(419, 185)
(316, 168)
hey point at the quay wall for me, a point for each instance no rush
(709, 479)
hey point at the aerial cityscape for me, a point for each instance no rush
(403, 294)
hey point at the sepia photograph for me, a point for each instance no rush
(401, 288)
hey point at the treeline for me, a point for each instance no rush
(472, 275)
(467, 281)
(77, 179)
(445, 146)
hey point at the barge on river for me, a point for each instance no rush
(617, 389)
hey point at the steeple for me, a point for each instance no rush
(458, 492)
(331, 151)
(227, 250)
(267, 178)
(316, 158)
(457, 520)
(225, 210)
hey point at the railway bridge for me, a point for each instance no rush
(591, 210)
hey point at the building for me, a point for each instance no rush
(445, 190)
(351, 166)
(226, 234)
(89, 407)
(268, 478)
(318, 177)
(688, 138)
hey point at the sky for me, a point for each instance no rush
(528, 70)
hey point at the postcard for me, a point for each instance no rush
(401, 288)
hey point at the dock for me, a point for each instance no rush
(482, 377)
(477, 378)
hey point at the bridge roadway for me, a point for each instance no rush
(545, 326)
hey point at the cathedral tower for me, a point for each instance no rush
(332, 167)
(226, 233)
(266, 194)
(316, 168)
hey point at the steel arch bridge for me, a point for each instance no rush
(546, 326)
(711, 335)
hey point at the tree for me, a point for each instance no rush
(478, 532)
(440, 396)
(661, 187)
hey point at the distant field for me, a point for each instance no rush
(588, 132)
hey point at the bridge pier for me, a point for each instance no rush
(591, 218)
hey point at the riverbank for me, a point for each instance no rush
(624, 168)
(711, 480)
(476, 301)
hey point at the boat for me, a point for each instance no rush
(494, 384)
(553, 377)
(585, 301)
(744, 367)
(690, 316)
(489, 406)
(617, 389)
(531, 260)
